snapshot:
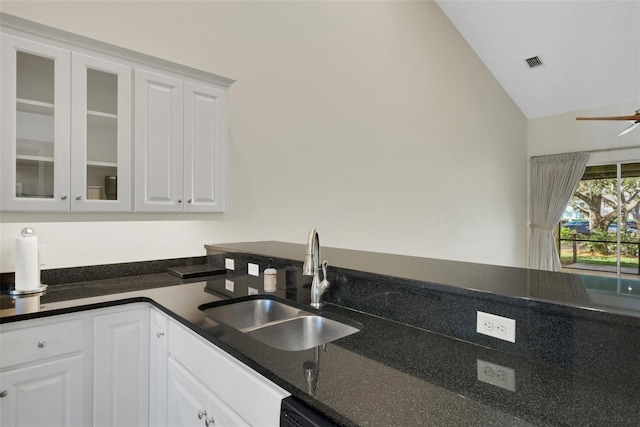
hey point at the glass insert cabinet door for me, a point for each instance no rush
(100, 135)
(35, 134)
(66, 130)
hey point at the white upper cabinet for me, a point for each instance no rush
(159, 147)
(100, 135)
(205, 148)
(181, 144)
(35, 134)
(68, 134)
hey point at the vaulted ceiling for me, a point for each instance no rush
(590, 50)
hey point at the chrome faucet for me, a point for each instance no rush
(312, 268)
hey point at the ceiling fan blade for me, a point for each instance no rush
(628, 118)
(633, 118)
(630, 128)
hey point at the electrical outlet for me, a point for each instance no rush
(497, 375)
(229, 285)
(253, 270)
(229, 264)
(252, 291)
(496, 326)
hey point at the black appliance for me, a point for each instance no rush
(295, 413)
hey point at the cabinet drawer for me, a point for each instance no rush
(31, 344)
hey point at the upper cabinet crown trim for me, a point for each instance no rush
(9, 23)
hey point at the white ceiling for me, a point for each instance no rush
(590, 50)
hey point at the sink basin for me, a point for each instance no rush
(302, 333)
(280, 325)
(247, 315)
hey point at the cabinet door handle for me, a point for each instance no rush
(63, 197)
(202, 414)
(41, 344)
(189, 201)
(3, 393)
(160, 334)
(179, 200)
(208, 422)
(78, 197)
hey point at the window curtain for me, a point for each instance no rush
(554, 179)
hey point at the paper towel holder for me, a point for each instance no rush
(26, 232)
(17, 293)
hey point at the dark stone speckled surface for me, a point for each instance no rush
(106, 271)
(417, 360)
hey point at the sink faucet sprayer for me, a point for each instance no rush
(312, 268)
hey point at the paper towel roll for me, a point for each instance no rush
(27, 270)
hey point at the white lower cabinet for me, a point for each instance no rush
(42, 373)
(127, 365)
(248, 394)
(158, 358)
(193, 404)
(121, 372)
(45, 394)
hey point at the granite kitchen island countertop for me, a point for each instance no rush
(389, 373)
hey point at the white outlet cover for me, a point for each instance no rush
(497, 375)
(253, 269)
(499, 327)
(229, 285)
(252, 291)
(229, 264)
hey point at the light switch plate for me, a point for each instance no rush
(497, 375)
(496, 326)
(229, 285)
(229, 264)
(253, 269)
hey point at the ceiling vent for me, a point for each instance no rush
(534, 61)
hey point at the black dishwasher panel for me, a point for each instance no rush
(294, 413)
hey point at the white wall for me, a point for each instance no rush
(372, 121)
(562, 133)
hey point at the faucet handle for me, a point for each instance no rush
(324, 269)
(324, 285)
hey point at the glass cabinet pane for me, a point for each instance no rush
(34, 126)
(102, 135)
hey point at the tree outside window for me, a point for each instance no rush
(603, 205)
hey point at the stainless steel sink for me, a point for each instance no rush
(302, 333)
(247, 315)
(280, 325)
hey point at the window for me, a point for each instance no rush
(599, 229)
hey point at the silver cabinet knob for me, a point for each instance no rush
(63, 197)
(78, 197)
(160, 334)
(189, 201)
(3, 393)
(208, 421)
(179, 200)
(41, 344)
(202, 414)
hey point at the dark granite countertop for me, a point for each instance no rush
(387, 374)
(599, 294)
